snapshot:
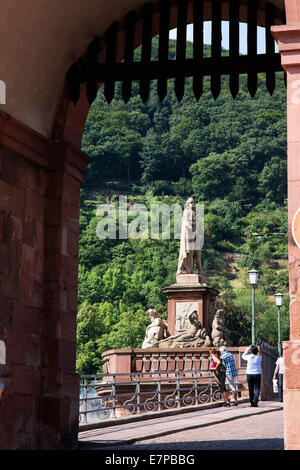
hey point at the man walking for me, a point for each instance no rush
(231, 372)
(279, 369)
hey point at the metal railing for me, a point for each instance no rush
(110, 396)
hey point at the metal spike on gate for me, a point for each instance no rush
(234, 41)
(92, 59)
(130, 22)
(270, 45)
(181, 46)
(73, 78)
(252, 46)
(90, 71)
(198, 46)
(163, 47)
(216, 40)
(146, 48)
(111, 58)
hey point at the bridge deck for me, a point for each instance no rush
(128, 431)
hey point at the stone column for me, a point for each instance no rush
(288, 39)
(39, 212)
(60, 400)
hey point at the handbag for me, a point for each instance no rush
(275, 386)
(222, 367)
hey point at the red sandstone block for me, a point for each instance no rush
(291, 356)
(62, 355)
(30, 291)
(53, 212)
(37, 179)
(10, 285)
(25, 289)
(13, 228)
(4, 259)
(2, 218)
(15, 347)
(53, 240)
(71, 190)
(62, 213)
(26, 318)
(294, 318)
(67, 324)
(35, 205)
(39, 240)
(14, 169)
(56, 182)
(25, 380)
(6, 306)
(291, 400)
(55, 295)
(51, 408)
(37, 294)
(70, 214)
(62, 268)
(29, 231)
(32, 351)
(11, 199)
(72, 296)
(24, 415)
(73, 243)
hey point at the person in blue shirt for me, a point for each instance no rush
(253, 373)
(231, 373)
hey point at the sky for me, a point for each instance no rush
(261, 44)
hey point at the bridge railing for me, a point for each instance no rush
(111, 396)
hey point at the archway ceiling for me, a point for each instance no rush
(39, 40)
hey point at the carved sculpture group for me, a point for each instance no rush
(194, 336)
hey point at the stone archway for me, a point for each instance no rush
(41, 171)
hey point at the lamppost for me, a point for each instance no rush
(278, 301)
(253, 278)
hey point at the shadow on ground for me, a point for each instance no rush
(236, 444)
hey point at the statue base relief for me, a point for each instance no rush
(188, 295)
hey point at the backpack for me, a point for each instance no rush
(222, 367)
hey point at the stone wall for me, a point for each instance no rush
(39, 212)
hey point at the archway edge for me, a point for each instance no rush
(37, 52)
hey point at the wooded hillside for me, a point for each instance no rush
(231, 156)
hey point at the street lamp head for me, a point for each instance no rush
(278, 299)
(253, 277)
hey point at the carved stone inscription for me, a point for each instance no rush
(182, 311)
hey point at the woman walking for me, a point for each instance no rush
(253, 373)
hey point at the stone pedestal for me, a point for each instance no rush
(187, 295)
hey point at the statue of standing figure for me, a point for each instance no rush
(190, 252)
(156, 331)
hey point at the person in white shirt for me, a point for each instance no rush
(253, 373)
(279, 369)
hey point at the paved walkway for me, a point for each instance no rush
(212, 428)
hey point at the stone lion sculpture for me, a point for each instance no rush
(156, 331)
(195, 336)
(220, 334)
